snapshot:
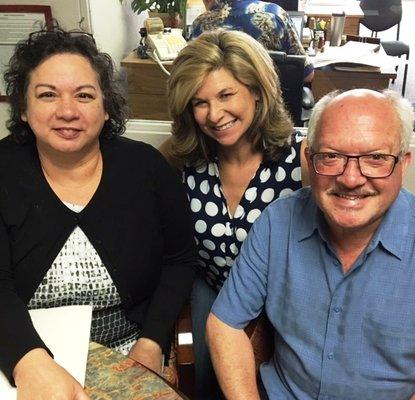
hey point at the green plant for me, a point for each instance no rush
(162, 6)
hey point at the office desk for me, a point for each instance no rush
(112, 376)
(147, 85)
(351, 8)
(327, 79)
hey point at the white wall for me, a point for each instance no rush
(115, 27)
(3, 118)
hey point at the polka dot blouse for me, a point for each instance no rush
(218, 235)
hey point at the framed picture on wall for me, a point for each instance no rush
(16, 22)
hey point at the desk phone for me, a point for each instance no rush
(166, 43)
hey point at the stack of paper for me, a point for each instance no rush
(355, 54)
(66, 331)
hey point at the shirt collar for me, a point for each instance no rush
(310, 216)
(312, 220)
(398, 219)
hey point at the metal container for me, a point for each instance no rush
(336, 28)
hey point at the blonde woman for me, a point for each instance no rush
(236, 146)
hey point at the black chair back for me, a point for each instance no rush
(290, 69)
(287, 5)
(380, 15)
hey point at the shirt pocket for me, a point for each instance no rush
(388, 355)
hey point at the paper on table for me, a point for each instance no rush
(325, 2)
(66, 331)
(355, 53)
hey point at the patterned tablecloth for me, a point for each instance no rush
(112, 376)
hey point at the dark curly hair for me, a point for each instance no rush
(43, 44)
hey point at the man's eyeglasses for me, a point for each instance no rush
(371, 165)
(76, 33)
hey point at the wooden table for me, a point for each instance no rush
(147, 85)
(351, 8)
(112, 376)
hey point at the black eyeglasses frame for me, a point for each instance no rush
(348, 157)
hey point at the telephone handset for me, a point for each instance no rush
(166, 43)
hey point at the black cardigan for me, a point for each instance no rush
(138, 221)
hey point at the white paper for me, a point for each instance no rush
(355, 53)
(326, 8)
(66, 331)
(325, 2)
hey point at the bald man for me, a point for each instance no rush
(333, 266)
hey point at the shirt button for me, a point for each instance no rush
(337, 309)
(336, 262)
(98, 241)
(330, 356)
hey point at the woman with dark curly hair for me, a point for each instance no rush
(86, 217)
(235, 144)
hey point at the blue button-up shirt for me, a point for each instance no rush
(337, 336)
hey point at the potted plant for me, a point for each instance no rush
(169, 11)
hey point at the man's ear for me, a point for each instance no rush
(307, 153)
(406, 161)
(23, 116)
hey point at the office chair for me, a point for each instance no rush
(298, 99)
(259, 332)
(380, 15)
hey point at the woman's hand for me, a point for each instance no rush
(39, 377)
(148, 353)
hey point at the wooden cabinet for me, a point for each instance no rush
(147, 85)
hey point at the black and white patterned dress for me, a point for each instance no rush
(77, 276)
(219, 235)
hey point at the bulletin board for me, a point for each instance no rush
(16, 22)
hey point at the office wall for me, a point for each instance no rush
(115, 27)
(3, 119)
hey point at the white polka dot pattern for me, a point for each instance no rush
(296, 174)
(219, 235)
(200, 226)
(195, 205)
(253, 215)
(268, 195)
(211, 209)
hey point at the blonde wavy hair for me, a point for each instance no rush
(250, 64)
